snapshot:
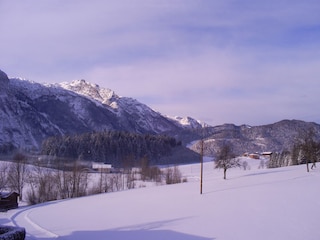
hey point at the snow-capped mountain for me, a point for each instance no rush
(188, 122)
(126, 109)
(120, 105)
(92, 91)
(30, 112)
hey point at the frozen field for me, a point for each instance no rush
(264, 204)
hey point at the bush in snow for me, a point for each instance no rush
(173, 175)
(12, 233)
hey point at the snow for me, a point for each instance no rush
(188, 122)
(281, 203)
(89, 90)
(37, 89)
(70, 92)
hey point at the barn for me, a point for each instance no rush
(8, 200)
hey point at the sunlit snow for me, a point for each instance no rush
(264, 204)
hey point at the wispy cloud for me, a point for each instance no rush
(218, 61)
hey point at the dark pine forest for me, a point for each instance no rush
(116, 148)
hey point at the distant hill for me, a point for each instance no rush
(276, 137)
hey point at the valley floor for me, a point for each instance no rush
(264, 204)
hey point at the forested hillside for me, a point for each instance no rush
(30, 112)
(276, 137)
(118, 148)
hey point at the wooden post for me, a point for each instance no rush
(201, 165)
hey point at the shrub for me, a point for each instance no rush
(173, 175)
(12, 233)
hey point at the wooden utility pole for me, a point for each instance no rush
(201, 165)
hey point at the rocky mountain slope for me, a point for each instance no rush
(30, 112)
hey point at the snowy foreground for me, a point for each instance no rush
(282, 203)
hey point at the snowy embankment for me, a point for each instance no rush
(282, 203)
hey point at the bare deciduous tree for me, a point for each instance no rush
(72, 182)
(18, 174)
(279, 159)
(4, 166)
(145, 167)
(116, 182)
(173, 175)
(226, 159)
(43, 186)
(310, 149)
(130, 178)
(245, 165)
(262, 164)
(79, 180)
(306, 149)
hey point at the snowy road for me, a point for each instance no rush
(20, 217)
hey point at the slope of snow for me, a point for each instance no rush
(124, 107)
(255, 204)
(36, 89)
(188, 122)
(92, 91)
(124, 104)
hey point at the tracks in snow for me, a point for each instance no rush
(33, 230)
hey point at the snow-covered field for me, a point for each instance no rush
(281, 203)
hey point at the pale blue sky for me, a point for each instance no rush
(243, 62)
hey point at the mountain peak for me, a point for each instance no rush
(90, 90)
(4, 81)
(188, 122)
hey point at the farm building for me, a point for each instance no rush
(254, 156)
(102, 167)
(8, 200)
(266, 154)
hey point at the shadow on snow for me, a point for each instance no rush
(143, 231)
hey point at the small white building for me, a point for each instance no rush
(101, 167)
(266, 153)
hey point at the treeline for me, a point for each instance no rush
(37, 184)
(111, 146)
(7, 148)
(305, 150)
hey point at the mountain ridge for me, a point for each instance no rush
(31, 112)
(276, 137)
